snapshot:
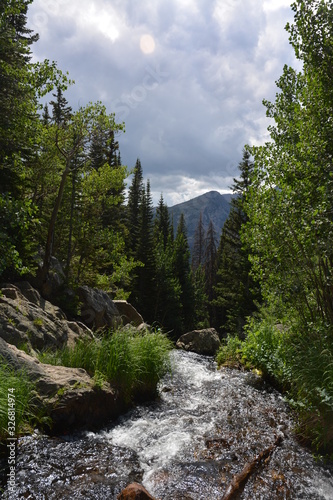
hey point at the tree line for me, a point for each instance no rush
(62, 194)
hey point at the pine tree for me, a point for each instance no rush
(198, 247)
(210, 268)
(133, 206)
(61, 111)
(162, 226)
(18, 103)
(182, 271)
(112, 149)
(18, 132)
(167, 297)
(236, 293)
(119, 159)
(46, 117)
(144, 289)
(200, 302)
(104, 148)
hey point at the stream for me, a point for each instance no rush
(204, 428)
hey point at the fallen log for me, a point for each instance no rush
(240, 479)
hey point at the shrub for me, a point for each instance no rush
(265, 348)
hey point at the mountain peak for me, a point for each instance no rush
(200, 198)
(213, 206)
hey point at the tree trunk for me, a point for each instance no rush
(50, 234)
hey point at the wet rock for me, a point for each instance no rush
(98, 310)
(27, 320)
(204, 341)
(67, 467)
(135, 491)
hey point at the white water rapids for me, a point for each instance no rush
(205, 427)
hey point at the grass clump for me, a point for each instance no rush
(131, 360)
(20, 403)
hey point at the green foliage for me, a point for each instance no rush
(21, 388)
(38, 322)
(162, 225)
(98, 255)
(182, 271)
(230, 352)
(143, 285)
(167, 300)
(135, 194)
(236, 292)
(17, 220)
(290, 202)
(266, 349)
(210, 262)
(290, 228)
(21, 84)
(199, 245)
(134, 361)
(200, 298)
(311, 361)
(298, 359)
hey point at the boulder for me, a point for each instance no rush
(55, 279)
(69, 395)
(97, 308)
(135, 491)
(28, 321)
(204, 341)
(128, 313)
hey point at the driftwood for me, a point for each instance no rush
(240, 479)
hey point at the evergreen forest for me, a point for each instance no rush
(267, 287)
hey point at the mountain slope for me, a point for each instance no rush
(212, 205)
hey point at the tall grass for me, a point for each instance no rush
(26, 411)
(311, 358)
(133, 361)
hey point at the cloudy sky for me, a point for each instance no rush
(186, 76)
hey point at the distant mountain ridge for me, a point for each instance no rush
(213, 206)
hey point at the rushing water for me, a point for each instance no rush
(204, 429)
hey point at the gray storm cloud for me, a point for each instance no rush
(187, 77)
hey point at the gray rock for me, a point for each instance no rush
(97, 308)
(55, 278)
(69, 395)
(204, 341)
(27, 320)
(128, 313)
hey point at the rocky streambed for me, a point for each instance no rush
(212, 434)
